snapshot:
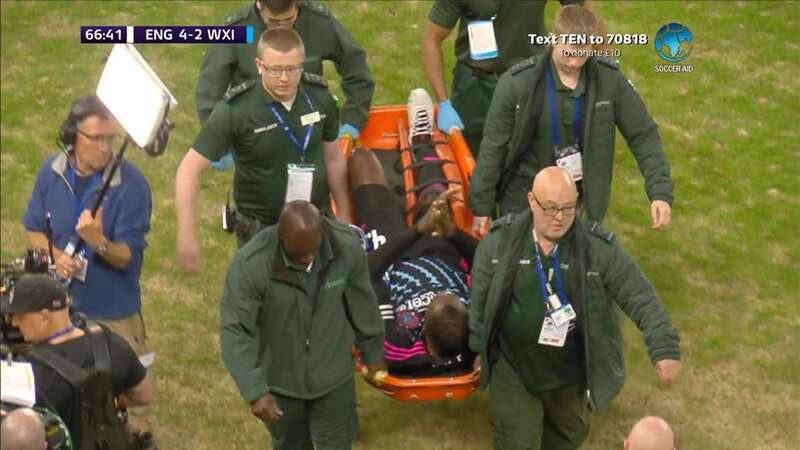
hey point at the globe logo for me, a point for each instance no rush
(674, 42)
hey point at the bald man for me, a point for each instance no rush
(543, 317)
(297, 297)
(650, 433)
(22, 430)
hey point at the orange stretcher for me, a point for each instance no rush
(387, 130)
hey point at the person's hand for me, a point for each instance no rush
(448, 117)
(224, 163)
(443, 225)
(189, 253)
(479, 225)
(660, 213)
(667, 370)
(90, 229)
(375, 372)
(66, 266)
(266, 408)
(427, 223)
(348, 130)
(476, 364)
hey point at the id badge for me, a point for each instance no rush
(569, 159)
(310, 118)
(81, 275)
(563, 315)
(552, 335)
(482, 43)
(299, 182)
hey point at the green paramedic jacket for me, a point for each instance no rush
(276, 337)
(611, 102)
(324, 38)
(601, 275)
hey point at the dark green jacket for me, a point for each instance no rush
(324, 38)
(601, 275)
(610, 103)
(277, 336)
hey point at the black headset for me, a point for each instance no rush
(81, 108)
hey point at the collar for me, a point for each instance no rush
(289, 264)
(580, 88)
(562, 243)
(267, 97)
(60, 166)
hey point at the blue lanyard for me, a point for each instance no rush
(60, 333)
(279, 117)
(80, 202)
(543, 283)
(576, 121)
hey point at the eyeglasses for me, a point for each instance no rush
(566, 211)
(276, 72)
(100, 139)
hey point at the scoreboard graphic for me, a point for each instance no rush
(103, 34)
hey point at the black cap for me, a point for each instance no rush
(35, 292)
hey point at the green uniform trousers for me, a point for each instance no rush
(557, 419)
(471, 95)
(328, 420)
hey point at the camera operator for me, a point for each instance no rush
(38, 306)
(104, 273)
(22, 429)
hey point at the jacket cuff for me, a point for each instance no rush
(663, 197)
(480, 210)
(659, 355)
(354, 117)
(475, 344)
(252, 384)
(371, 353)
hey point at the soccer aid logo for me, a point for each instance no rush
(674, 42)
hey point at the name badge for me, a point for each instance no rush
(482, 43)
(553, 335)
(299, 182)
(81, 274)
(308, 119)
(572, 163)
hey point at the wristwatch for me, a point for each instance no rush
(103, 248)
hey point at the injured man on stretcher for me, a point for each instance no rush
(419, 273)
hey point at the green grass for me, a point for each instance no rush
(727, 268)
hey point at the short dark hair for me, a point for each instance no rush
(278, 6)
(446, 329)
(575, 19)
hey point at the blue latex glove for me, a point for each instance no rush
(448, 117)
(224, 163)
(348, 129)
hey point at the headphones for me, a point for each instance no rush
(81, 108)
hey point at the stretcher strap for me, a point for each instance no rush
(413, 148)
(425, 162)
